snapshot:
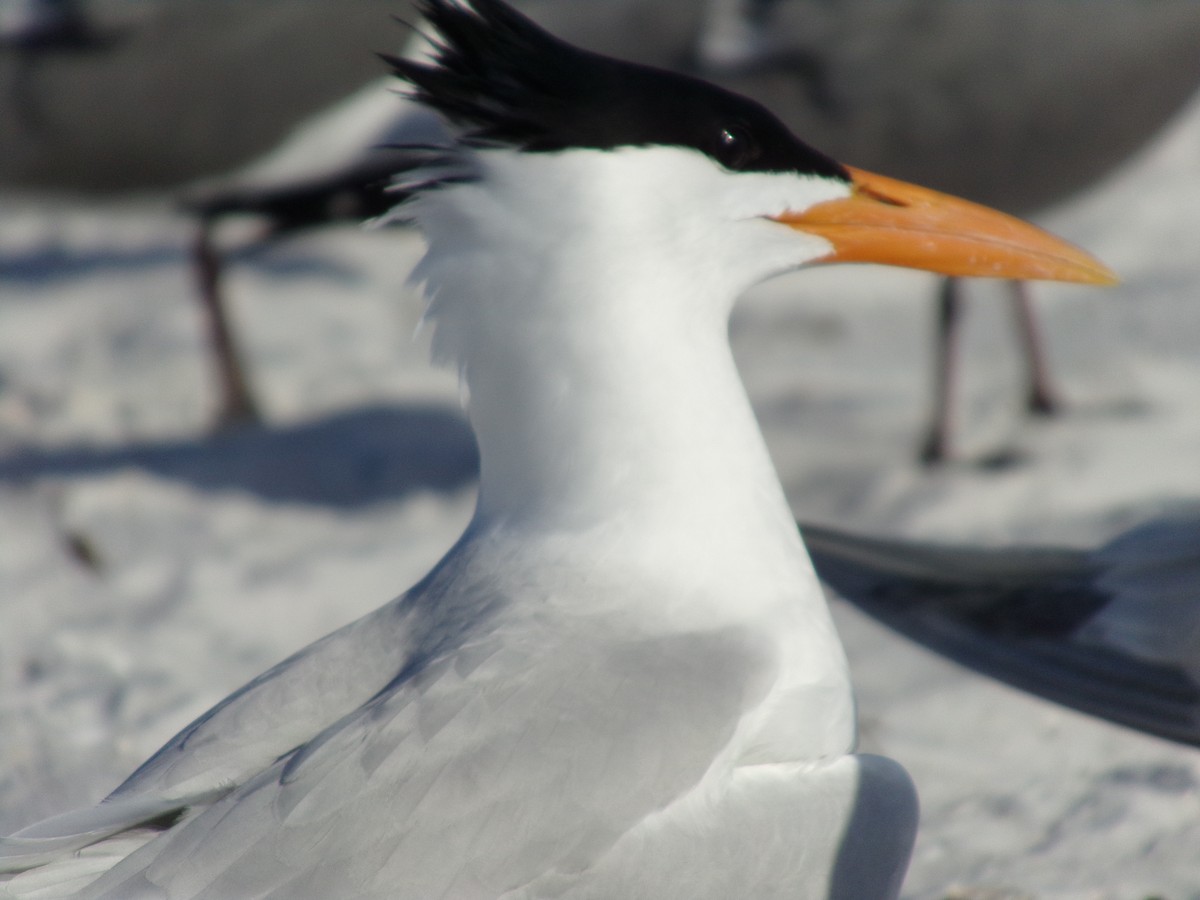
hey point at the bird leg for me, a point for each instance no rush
(1041, 398)
(237, 406)
(936, 446)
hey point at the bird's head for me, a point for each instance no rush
(666, 161)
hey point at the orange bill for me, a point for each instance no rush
(899, 224)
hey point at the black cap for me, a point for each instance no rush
(509, 82)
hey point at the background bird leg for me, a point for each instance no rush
(237, 406)
(936, 446)
(1041, 398)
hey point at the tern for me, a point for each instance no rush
(1113, 631)
(623, 680)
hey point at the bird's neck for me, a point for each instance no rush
(593, 399)
(650, 426)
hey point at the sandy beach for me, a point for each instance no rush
(147, 569)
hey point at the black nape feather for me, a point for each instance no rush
(508, 82)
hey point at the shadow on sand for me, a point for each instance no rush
(52, 263)
(344, 460)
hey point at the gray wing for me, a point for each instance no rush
(238, 738)
(500, 763)
(279, 710)
(1114, 632)
(1152, 574)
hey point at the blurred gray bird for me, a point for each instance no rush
(42, 24)
(34, 28)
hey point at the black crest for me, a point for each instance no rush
(509, 82)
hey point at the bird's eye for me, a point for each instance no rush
(735, 146)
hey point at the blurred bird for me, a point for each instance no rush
(44, 24)
(34, 28)
(614, 684)
(1113, 631)
(335, 168)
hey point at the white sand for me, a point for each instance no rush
(213, 560)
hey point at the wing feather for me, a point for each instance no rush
(534, 761)
(280, 710)
(1114, 632)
